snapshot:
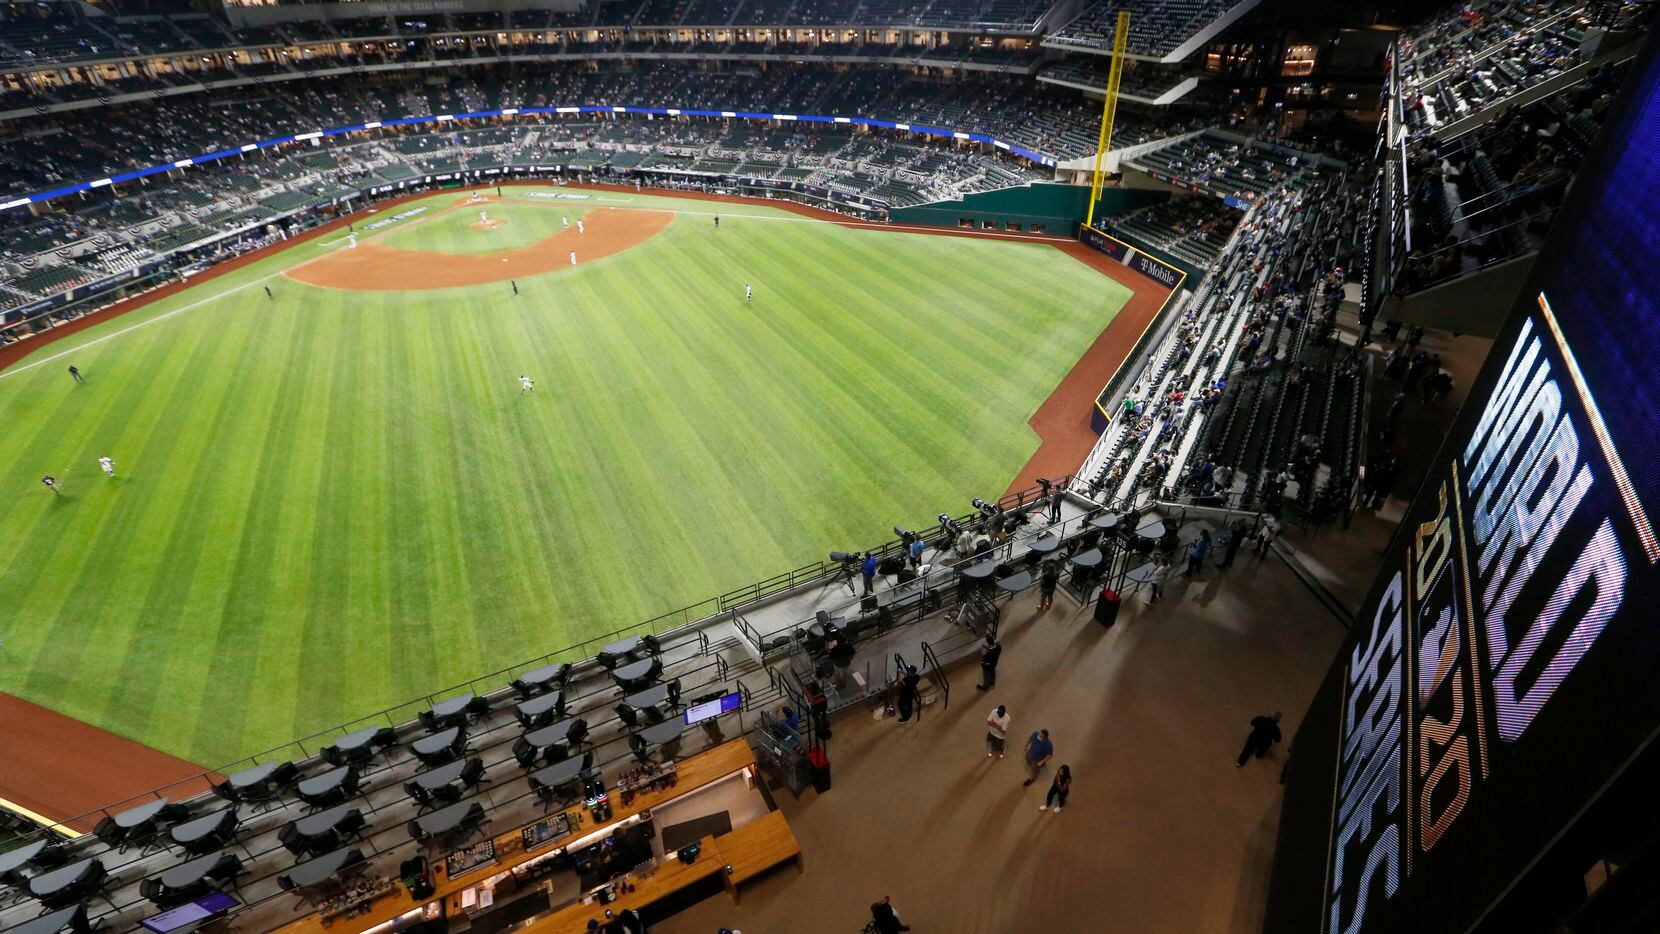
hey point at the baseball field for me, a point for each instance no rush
(339, 496)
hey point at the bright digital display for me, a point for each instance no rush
(726, 703)
(1469, 716)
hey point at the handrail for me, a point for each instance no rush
(940, 678)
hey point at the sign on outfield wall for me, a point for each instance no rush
(1116, 249)
(1163, 273)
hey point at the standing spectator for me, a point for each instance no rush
(1161, 570)
(991, 651)
(1054, 506)
(1196, 554)
(908, 693)
(1266, 534)
(1265, 732)
(1058, 790)
(868, 570)
(1236, 537)
(1380, 481)
(917, 548)
(1048, 579)
(886, 919)
(997, 731)
(1039, 750)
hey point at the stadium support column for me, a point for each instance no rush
(1109, 105)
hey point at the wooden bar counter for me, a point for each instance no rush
(750, 849)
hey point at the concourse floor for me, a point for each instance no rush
(1162, 833)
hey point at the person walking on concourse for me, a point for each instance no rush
(991, 651)
(1058, 790)
(997, 729)
(1039, 750)
(1265, 732)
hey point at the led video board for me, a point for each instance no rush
(1506, 665)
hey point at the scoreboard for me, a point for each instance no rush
(1506, 666)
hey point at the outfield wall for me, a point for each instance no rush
(1049, 207)
(1159, 271)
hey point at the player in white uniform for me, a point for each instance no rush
(484, 217)
(566, 221)
(749, 293)
(351, 240)
(108, 464)
(526, 385)
(573, 257)
(579, 228)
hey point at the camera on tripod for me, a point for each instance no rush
(906, 536)
(986, 509)
(949, 527)
(845, 557)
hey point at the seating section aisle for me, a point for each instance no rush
(1251, 400)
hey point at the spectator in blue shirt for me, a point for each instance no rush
(1196, 554)
(868, 569)
(1039, 750)
(917, 547)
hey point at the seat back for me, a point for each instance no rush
(111, 833)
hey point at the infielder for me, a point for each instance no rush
(108, 464)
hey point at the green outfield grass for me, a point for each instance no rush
(336, 501)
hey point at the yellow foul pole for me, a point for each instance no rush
(1109, 106)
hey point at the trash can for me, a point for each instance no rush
(1106, 608)
(820, 765)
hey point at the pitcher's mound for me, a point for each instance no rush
(490, 224)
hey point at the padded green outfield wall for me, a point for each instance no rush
(1057, 209)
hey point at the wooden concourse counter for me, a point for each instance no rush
(751, 840)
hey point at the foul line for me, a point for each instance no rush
(42, 820)
(23, 367)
